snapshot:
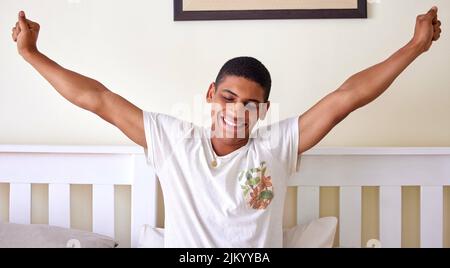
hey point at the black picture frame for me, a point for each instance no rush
(181, 15)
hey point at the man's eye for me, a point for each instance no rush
(228, 99)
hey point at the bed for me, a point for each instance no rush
(350, 169)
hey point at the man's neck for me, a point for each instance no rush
(223, 146)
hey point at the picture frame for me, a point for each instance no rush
(191, 10)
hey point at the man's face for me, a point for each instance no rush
(237, 104)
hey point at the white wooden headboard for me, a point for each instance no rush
(60, 166)
(349, 168)
(388, 168)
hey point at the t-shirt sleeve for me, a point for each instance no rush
(282, 139)
(162, 133)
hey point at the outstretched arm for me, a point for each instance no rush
(82, 91)
(364, 87)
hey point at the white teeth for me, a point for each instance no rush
(231, 123)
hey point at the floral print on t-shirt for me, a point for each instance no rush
(256, 186)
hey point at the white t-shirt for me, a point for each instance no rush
(237, 203)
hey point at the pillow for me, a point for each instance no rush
(315, 234)
(45, 236)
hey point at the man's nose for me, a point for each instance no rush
(236, 110)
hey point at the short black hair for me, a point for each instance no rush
(249, 68)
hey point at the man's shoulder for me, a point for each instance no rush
(170, 124)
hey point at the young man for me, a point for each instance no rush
(221, 187)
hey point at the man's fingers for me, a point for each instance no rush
(14, 33)
(437, 28)
(23, 22)
(433, 11)
(33, 25)
(437, 34)
(17, 27)
(432, 14)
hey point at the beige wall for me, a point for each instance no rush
(137, 50)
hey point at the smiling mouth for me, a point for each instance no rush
(231, 123)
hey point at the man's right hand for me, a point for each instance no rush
(428, 29)
(25, 33)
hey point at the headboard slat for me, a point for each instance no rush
(431, 216)
(144, 198)
(20, 203)
(59, 204)
(350, 216)
(391, 216)
(103, 209)
(307, 203)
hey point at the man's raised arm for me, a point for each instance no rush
(82, 91)
(364, 87)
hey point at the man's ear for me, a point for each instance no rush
(263, 108)
(210, 93)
